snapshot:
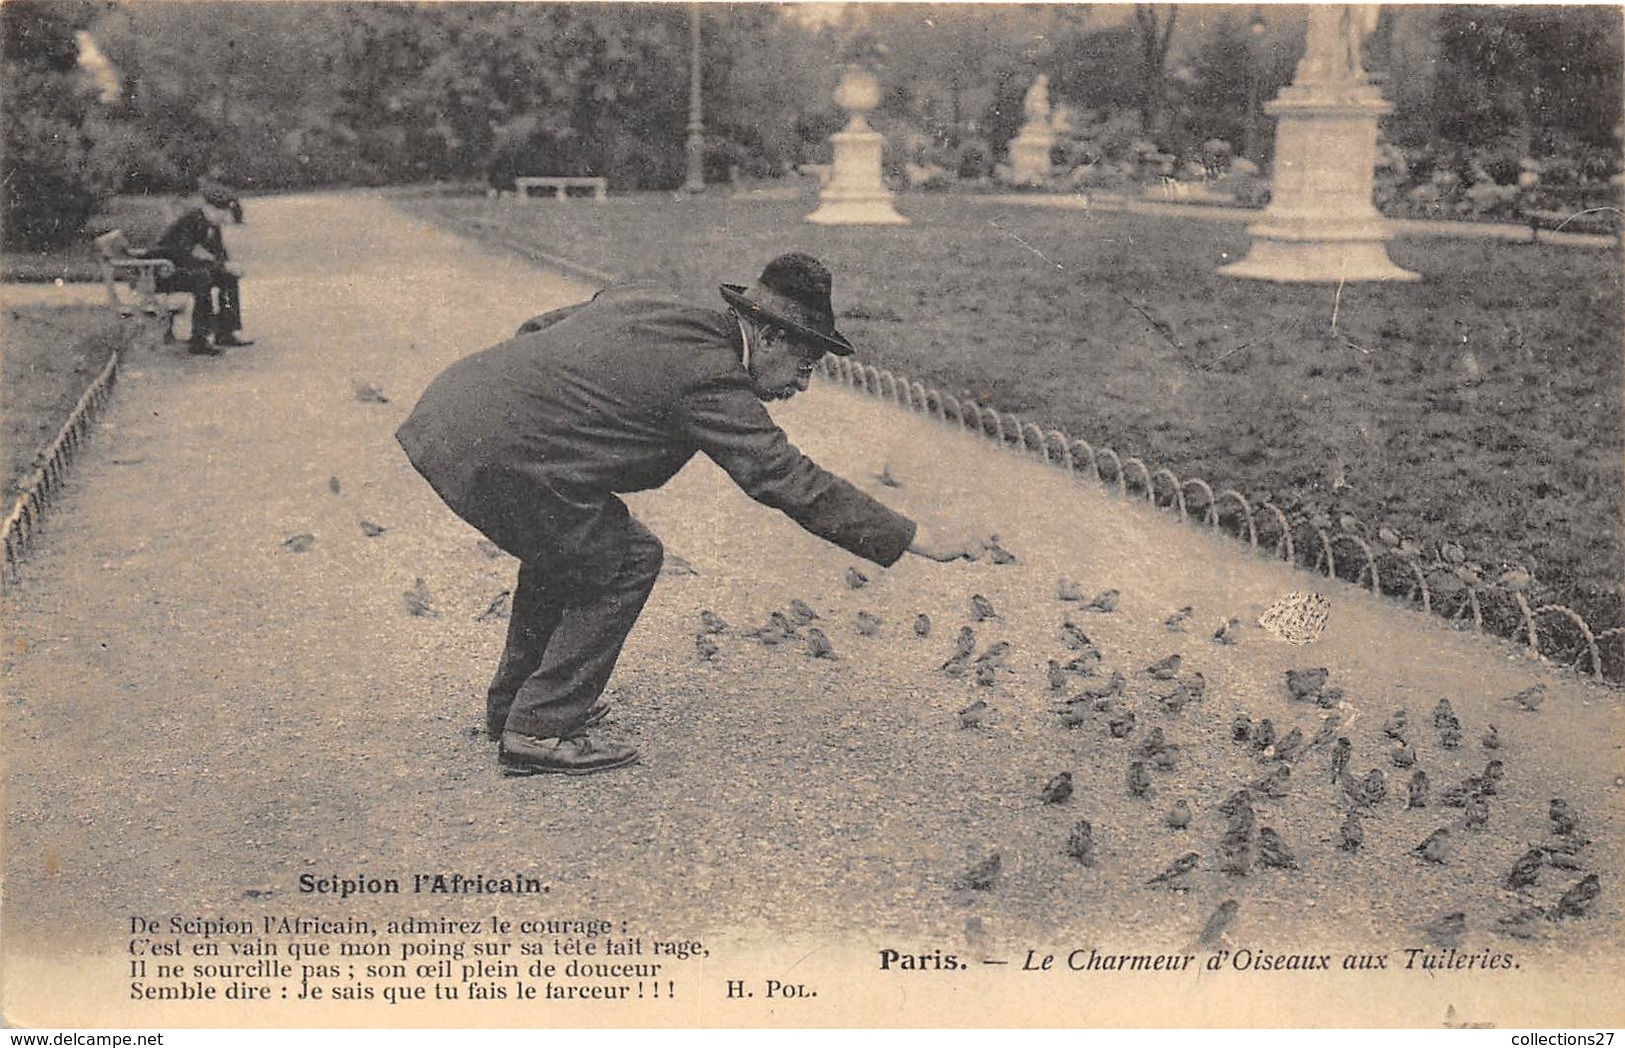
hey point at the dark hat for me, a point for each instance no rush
(793, 293)
(216, 196)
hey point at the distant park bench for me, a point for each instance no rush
(141, 273)
(561, 186)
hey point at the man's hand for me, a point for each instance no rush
(946, 544)
(234, 269)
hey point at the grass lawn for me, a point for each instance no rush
(48, 355)
(1481, 406)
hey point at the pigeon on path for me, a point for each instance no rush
(1174, 876)
(1219, 922)
(418, 601)
(980, 878)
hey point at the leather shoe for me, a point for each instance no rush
(595, 716)
(232, 340)
(577, 755)
(201, 347)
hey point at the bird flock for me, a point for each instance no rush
(1302, 751)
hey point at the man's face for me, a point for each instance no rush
(779, 367)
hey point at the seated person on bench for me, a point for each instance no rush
(194, 244)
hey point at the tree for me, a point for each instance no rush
(47, 179)
(1155, 23)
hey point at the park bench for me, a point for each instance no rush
(561, 185)
(140, 272)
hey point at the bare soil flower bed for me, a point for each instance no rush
(1480, 407)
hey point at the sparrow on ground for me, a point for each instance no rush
(997, 553)
(1526, 871)
(987, 674)
(1327, 731)
(1578, 900)
(1113, 686)
(1456, 796)
(971, 716)
(801, 612)
(1524, 924)
(866, 624)
(368, 393)
(964, 643)
(498, 608)
(1563, 819)
(1416, 791)
(675, 565)
(818, 645)
(1068, 590)
(1177, 620)
(922, 625)
(1186, 691)
(957, 666)
(1059, 789)
(1446, 930)
(1303, 684)
(1374, 787)
(1402, 755)
(995, 654)
(334, 486)
(1074, 716)
(1179, 816)
(1350, 835)
(1174, 876)
(705, 646)
(1164, 669)
(1476, 813)
(980, 878)
(1329, 698)
(856, 579)
(1084, 662)
(1154, 741)
(1241, 729)
(1105, 601)
(1073, 637)
(1220, 920)
(981, 609)
(1450, 734)
(1493, 773)
(1263, 735)
(1288, 746)
(1275, 783)
(418, 601)
(1121, 725)
(371, 530)
(1435, 847)
(1057, 676)
(300, 543)
(1394, 726)
(1273, 852)
(1491, 739)
(1342, 750)
(1139, 780)
(1443, 714)
(1080, 843)
(1530, 698)
(885, 477)
(1235, 853)
(1227, 632)
(711, 622)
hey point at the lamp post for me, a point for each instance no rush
(696, 127)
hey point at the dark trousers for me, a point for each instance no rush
(202, 280)
(565, 633)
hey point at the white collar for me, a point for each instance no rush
(744, 338)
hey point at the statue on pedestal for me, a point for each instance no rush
(1030, 149)
(1331, 51)
(1036, 104)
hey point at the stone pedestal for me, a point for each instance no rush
(1029, 156)
(1320, 225)
(853, 194)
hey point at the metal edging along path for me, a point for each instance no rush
(1196, 502)
(38, 489)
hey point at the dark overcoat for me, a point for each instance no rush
(531, 440)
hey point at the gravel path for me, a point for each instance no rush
(195, 714)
